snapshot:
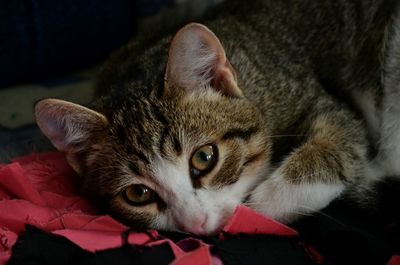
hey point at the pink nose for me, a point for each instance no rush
(196, 226)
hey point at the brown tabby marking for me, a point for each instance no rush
(281, 88)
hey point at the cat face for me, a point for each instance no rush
(178, 161)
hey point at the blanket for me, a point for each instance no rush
(40, 190)
(39, 204)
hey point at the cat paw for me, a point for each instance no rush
(285, 202)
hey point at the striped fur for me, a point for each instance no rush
(290, 94)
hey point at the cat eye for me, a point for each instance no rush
(203, 160)
(138, 195)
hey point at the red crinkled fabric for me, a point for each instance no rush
(39, 190)
(395, 260)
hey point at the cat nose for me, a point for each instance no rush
(196, 226)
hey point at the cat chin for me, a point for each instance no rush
(213, 227)
(209, 228)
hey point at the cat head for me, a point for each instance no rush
(178, 161)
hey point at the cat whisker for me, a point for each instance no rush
(305, 214)
(305, 177)
(308, 213)
(254, 203)
(314, 211)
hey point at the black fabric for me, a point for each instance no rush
(346, 234)
(253, 249)
(341, 233)
(274, 250)
(36, 247)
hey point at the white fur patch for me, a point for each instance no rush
(390, 142)
(184, 210)
(389, 149)
(371, 114)
(221, 203)
(285, 202)
(201, 211)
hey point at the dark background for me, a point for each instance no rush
(45, 43)
(40, 39)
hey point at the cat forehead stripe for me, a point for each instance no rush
(168, 138)
(138, 154)
(244, 134)
(177, 146)
(134, 168)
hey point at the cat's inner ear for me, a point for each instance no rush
(197, 60)
(70, 127)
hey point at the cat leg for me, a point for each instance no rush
(389, 148)
(333, 156)
(389, 144)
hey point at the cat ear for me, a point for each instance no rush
(70, 127)
(197, 59)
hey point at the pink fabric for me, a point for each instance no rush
(39, 190)
(395, 260)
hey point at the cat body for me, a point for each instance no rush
(281, 105)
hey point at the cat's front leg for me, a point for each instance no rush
(331, 159)
(286, 200)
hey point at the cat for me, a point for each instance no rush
(281, 105)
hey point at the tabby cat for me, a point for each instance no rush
(280, 105)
